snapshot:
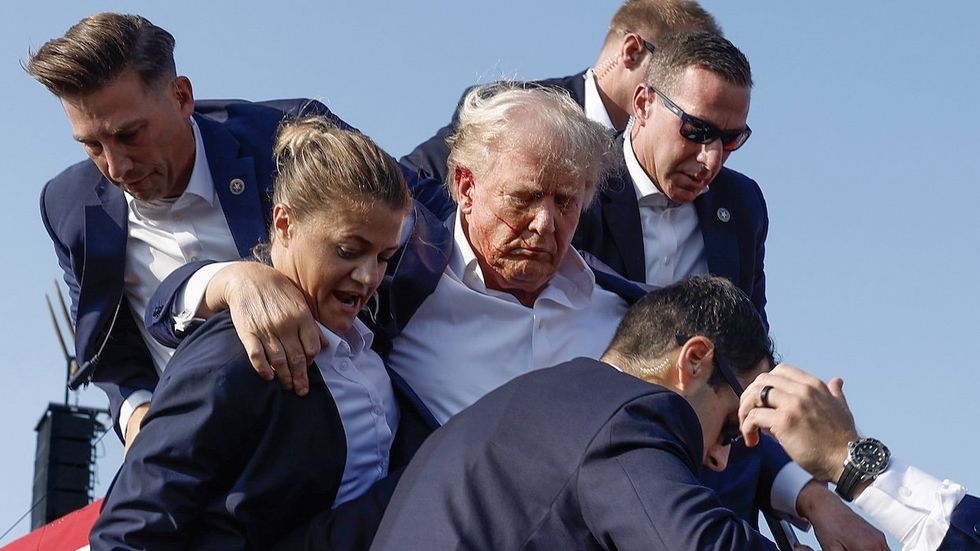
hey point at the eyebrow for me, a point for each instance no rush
(127, 126)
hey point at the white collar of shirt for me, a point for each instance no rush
(348, 343)
(594, 108)
(572, 285)
(642, 183)
(200, 185)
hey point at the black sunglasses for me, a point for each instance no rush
(703, 132)
(730, 432)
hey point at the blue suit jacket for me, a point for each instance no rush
(86, 217)
(578, 456)
(226, 460)
(429, 157)
(964, 526)
(734, 246)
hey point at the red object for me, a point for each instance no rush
(68, 533)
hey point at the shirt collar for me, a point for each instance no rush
(346, 344)
(594, 108)
(646, 190)
(200, 184)
(572, 285)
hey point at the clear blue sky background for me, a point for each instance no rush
(865, 142)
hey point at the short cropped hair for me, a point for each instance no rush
(708, 306)
(654, 18)
(323, 169)
(678, 51)
(98, 49)
(544, 123)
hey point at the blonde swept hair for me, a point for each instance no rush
(543, 123)
(322, 168)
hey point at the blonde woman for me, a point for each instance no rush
(228, 460)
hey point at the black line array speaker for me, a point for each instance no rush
(64, 462)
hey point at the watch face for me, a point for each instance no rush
(870, 456)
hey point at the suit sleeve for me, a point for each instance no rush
(758, 295)
(125, 365)
(193, 442)
(639, 489)
(158, 316)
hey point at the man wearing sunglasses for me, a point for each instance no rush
(598, 454)
(671, 210)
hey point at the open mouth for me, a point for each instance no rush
(347, 299)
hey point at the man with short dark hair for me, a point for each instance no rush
(671, 210)
(167, 182)
(598, 454)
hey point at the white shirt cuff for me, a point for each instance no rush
(786, 489)
(912, 506)
(129, 405)
(191, 294)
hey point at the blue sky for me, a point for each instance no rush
(865, 135)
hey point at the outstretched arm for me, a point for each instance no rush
(271, 316)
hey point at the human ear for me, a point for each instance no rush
(631, 51)
(693, 362)
(463, 182)
(641, 103)
(282, 224)
(184, 93)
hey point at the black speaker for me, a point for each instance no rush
(64, 462)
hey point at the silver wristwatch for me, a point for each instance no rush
(866, 459)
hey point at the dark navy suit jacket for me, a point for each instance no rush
(86, 217)
(964, 526)
(734, 238)
(429, 157)
(227, 460)
(578, 456)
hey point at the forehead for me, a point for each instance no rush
(516, 173)
(119, 102)
(706, 95)
(374, 224)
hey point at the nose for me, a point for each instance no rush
(717, 457)
(118, 163)
(712, 156)
(369, 273)
(544, 216)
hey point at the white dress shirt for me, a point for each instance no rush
(912, 506)
(163, 235)
(356, 378)
(466, 340)
(594, 109)
(673, 246)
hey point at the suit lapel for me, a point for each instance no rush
(236, 184)
(105, 247)
(720, 239)
(622, 216)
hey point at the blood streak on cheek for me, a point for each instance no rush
(514, 233)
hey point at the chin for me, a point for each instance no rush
(338, 323)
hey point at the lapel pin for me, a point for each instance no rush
(724, 215)
(237, 186)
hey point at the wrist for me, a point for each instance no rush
(813, 494)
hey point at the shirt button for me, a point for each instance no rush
(193, 258)
(377, 410)
(667, 260)
(904, 491)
